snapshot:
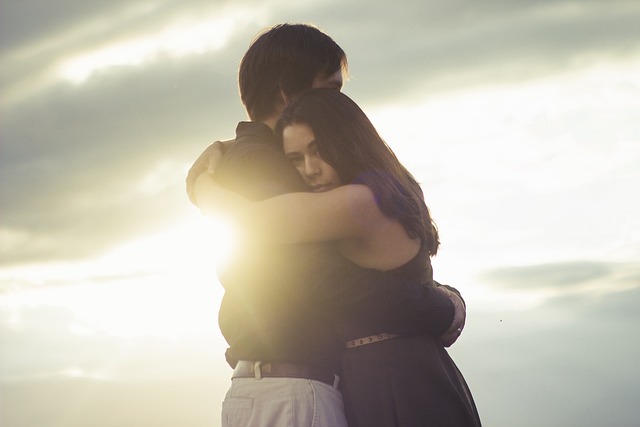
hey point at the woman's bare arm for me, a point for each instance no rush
(349, 211)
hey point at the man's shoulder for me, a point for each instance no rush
(254, 133)
(251, 137)
(255, 166)
(251, 150)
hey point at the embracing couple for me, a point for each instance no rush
(330, 309)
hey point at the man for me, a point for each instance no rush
(276, 311)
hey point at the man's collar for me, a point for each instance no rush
(255, 129)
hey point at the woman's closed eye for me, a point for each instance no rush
(295, 159)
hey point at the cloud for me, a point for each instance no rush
(565, 277)
(440, 45)
(562, 274)
(549, 351)
(27, 21)
(31, 23)
(50, 352)
(75, 158)
(80, 402)
(74, 155)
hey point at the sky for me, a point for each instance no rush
(519, 118)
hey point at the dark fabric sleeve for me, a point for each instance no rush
(427, 310)
(452, 289)
(371, 302)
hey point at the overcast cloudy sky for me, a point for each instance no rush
(520, 118)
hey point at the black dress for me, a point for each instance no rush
(405, 381)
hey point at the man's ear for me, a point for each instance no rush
(280, 103)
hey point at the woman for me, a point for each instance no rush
(366, 202)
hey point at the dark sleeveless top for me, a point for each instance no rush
(401, 296)
(418, 269)
(405, 381)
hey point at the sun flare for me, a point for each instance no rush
(163, 285)
(196, 243)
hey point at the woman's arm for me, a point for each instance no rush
(346, 212)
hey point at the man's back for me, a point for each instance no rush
(268, 311)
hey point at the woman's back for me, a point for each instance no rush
(385, 245)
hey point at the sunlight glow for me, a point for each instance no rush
(78, 372)
(195, 244)
(543, 139)
(167, 306)
(162, 285)
(522, 128)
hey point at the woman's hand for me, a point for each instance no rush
(207, 162)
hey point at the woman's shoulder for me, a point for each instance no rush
(357, 204)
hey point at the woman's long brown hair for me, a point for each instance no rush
(348, 141)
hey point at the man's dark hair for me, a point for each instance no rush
(287, 58)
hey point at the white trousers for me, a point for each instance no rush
(282, 402)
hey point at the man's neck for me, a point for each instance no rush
(273, 118)
(271, 122)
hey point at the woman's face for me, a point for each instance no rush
(300, 148)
